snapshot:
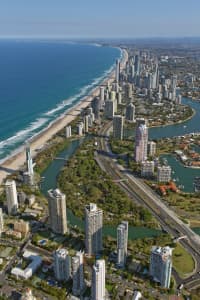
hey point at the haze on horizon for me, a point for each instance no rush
(99, 19)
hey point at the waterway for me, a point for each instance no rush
(185, 175)
(50, 182)
(189, 126)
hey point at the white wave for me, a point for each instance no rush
(29, 131)
(81, 93)
(20, 135)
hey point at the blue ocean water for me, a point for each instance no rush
(39, 80)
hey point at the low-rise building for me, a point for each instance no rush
(21, 226)
(164, 174)
(147, 168)
(151, 148)
(35, 263)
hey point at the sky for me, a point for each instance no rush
(99, 18)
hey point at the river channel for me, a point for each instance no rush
(184, 176)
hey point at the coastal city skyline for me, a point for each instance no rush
(99, 19)
(99, 150)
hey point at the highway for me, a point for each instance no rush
(140, 193)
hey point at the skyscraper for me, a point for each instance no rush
(130, 112)
(118, 127)
(57, 211)
(77, 273)
(29, 160)
(137, 64)
(96, 106)
(102, 96)
(68, 131)
(161, 265)
(93, 229)
(1, 221)
(117, 71)
(11, 196)
(98, 280)
(122, 241)
(109, 109)
(141, 140)
(62, 265)
(86, 123)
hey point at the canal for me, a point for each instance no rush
(184, 176)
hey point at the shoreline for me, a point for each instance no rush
(12, 163)
(178, 122)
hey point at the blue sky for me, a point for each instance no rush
(99, 18)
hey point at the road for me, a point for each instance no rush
(143, 195)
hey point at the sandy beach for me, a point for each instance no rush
(14, 162)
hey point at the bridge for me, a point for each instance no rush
(60, 158)
(183, 237)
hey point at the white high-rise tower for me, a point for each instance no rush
(57, 211)
(11, 196)
(77, 274)
(98, 280)
(93, 229)
(141, 141)
(29, 160)
(62, 265)
(122, 241)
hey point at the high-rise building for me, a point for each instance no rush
(93, 229)
(151, 148)
(68, 131)
(109, 109)
(102, 96)
(119, 98)
(130, 112)
(118, 127)
(1, 221)
(117, 71)
(147, 168)
(128, 91)
(137, 64)
(62, 265)
(11, 196)
(29, 160)
(173, 82)
(164, 173)
(77, 274)
(161, 265)
(96, 106)
(122, 241)
(112, 95)
(57, 211)
(98, 280)
(80, 129)
(141, 140)
(86, 123)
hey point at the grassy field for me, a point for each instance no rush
(182, 261)
(185, 205)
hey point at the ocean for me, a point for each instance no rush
(40, 80)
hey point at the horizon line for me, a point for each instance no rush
(98, 38)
